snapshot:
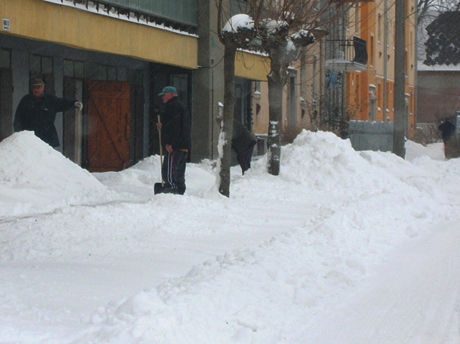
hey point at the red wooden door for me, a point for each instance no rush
(108, 126)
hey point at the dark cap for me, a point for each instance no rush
(38, 82)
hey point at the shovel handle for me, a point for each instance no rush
(161, 153)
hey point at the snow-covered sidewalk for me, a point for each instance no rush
(413, 298)
(305, 257)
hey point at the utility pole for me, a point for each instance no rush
(400, 80)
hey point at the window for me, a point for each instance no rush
(411, 43)
(292, 100)
(357, 21)
(68, 68)
(41, 64)
(79, 69)
(406, 64)
(371, 51)
(316, 75)
(47, 65)
(35, 63)
(303, 77)
(5, 58)
(74, 69)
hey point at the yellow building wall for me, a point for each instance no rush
(68, 26)
(255, 67)
(251, 66)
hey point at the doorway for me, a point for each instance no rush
(108, 127)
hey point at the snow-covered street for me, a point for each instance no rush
(343, 247)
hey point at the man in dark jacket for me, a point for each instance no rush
(176, 140)
(447, 132)
(243, 142)
(37, 112)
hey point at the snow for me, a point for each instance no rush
(302, 34)
(113, 13)
(290, 47)
(239, 22)
(342, 247)
(438, 68)
(274, 26)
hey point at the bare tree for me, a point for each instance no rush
(443, 44)
(282, 29)
(428, 11)
(282, 49)
(237, 33)
(430, 8)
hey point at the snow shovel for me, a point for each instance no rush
(160, 187)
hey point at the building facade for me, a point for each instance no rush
(116, 56)
(438, 79)
(348, 74)
(365, 37)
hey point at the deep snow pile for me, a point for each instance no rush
(35, 177)
(280, 261)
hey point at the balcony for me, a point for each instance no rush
(352, 56)
(178, 14)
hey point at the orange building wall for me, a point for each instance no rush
(358, 83)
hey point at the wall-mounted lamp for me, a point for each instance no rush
(257, 94)
(220, 106)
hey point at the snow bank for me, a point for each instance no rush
(298, 273)
(274, 263)
(36, 178)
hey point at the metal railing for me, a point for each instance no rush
(354, 50)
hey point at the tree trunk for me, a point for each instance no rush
(275, 96)
(276, 81)
(229, 105)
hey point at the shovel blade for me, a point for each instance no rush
(159, 188)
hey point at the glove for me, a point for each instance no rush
(79, 105)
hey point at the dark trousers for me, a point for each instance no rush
(244, 157)
(173, 170)
(452, 147)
